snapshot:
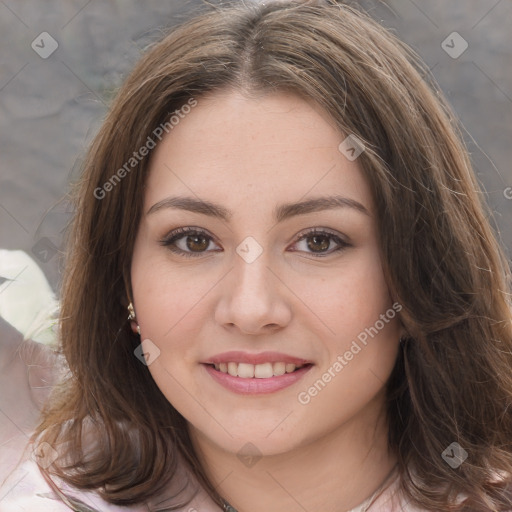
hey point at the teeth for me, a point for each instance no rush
(279, 368)
(246, 371)
(289, 367)
(233, 369)
(258, 371)
(263, 371)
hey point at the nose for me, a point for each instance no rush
(253, 299)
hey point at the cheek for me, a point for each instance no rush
(170, 311)
(169, 302)
(360, 348)
(173, 307)
(351, 298)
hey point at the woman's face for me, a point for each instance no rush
(251, 282)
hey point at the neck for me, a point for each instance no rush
(334, 473)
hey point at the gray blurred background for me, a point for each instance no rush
(51, 105)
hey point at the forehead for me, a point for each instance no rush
(272, 148)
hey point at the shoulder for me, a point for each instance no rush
(392, 499)
(26, 489)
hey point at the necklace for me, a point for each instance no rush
(360, 508)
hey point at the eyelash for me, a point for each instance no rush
(179, 233)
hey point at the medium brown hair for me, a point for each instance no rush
(452, 381)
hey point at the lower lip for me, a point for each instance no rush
(256, 386)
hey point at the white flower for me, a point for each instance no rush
(27, 301)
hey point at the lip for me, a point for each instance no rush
(256, 386)
(260, 358)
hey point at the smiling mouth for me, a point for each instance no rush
(257, 371)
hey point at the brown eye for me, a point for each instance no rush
(188, 242)
(197, 243)
(320, 243)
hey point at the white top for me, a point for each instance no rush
(25, 490)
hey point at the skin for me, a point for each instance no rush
(249, 155)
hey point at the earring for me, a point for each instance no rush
(131, 318)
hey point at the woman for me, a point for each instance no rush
(282, 291)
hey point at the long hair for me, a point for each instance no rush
(452, 382)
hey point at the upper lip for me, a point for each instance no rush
(260, 358)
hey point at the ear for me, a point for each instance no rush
(127, 296)
(134, 326)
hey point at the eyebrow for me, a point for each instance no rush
(281, 212)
